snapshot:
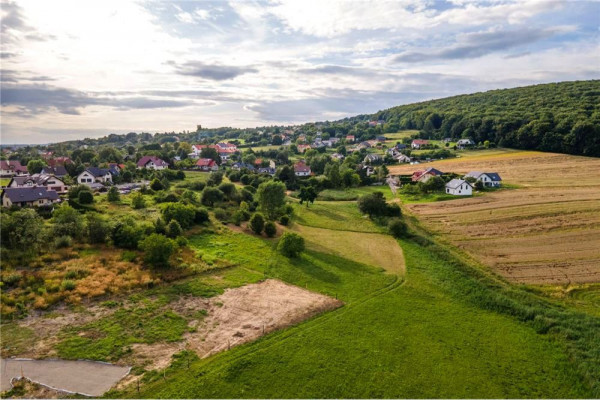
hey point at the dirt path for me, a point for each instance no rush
(84, 377)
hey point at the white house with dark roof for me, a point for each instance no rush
(46, 180)
(459, 187)
(489, 179)
(94, 174)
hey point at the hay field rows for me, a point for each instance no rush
(547, 231)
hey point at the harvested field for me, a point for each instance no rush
(547, 231)
(83, 377)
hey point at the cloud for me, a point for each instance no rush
(478, 44)
(14, 25)
(215, 72)
(336, 70)
(32, 99)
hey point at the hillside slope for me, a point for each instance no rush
(559, 117)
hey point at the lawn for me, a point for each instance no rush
(398, 136)
(417, 339)
(337, 215)
(4, 181)
(353, 193)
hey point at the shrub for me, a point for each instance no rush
(181, 241)
(97, 228)
(393, 210)
(210, 196)
(63, 241)
(68, 221)
(221, 214)
(201, 216)
(157, 250)
(126, 234)
(237, 217)
(182, 213)
(215, 178)
(247, 195)
(228, 190)
(397, 228)
(129, 256)
(257, 223)
(291, 244)
(245, 179)
(156, 185)
(174, 229)
(270, 229)
(68, 284)
(160, 226)
(163, 197)
(372, 204)
(138, 201)
(113, 195)
(271, 197)
(199, 186)
(85, 197)
(284, 220)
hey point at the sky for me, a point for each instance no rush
(76, 69)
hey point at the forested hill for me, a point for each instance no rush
(559, 117)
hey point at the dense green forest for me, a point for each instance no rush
(559, 117)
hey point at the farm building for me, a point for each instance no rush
(489, 179)
(29, 196)
(94, 174)
(459, 187)
(464, 143)
(152, 162)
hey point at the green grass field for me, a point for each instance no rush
(338, 215)
(416, 339)
(353, 193)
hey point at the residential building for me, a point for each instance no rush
(424, 175)
(418, 143)
(34, 196)
(51, 182)
(301, 169)
(350, 138)
(94, 174)
(372, 159)
(459, 187)
(464, 143)
(489, 179)
(207, 164)
(12, 168)
(58, 171)
(152, 162)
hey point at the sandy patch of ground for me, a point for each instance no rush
(237, 316)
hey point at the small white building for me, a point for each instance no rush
(301, 169)
(459, 187)
(152, 162)
(94, 174)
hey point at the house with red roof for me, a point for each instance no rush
(207, 164)
(10, 168)
(426, 174)
(350, 138)
(301, 169)
(152, 162)
(418, 143)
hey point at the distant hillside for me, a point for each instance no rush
(559, 117)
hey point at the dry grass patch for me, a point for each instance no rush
(374, 249)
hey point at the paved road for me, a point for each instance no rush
(84, 377)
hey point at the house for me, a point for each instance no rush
(400, 146)
(350, 138)
(152, 162)
(459, 187)
(267, 170)
(241, 165)
(418, 143)
(12, 168)
(337, 156)
(303, 147)
(207, 164)
(51, 182)
(301, 169)
(489, 179)
(380, 138)
(58, 171)
(372, 159)
(402, 158)
(369, 170)
(426, 174)
(114, 169)
(34, 196)
(464, 143)
(226, 152)
(94, 174)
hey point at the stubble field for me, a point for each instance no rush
(545, 231)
